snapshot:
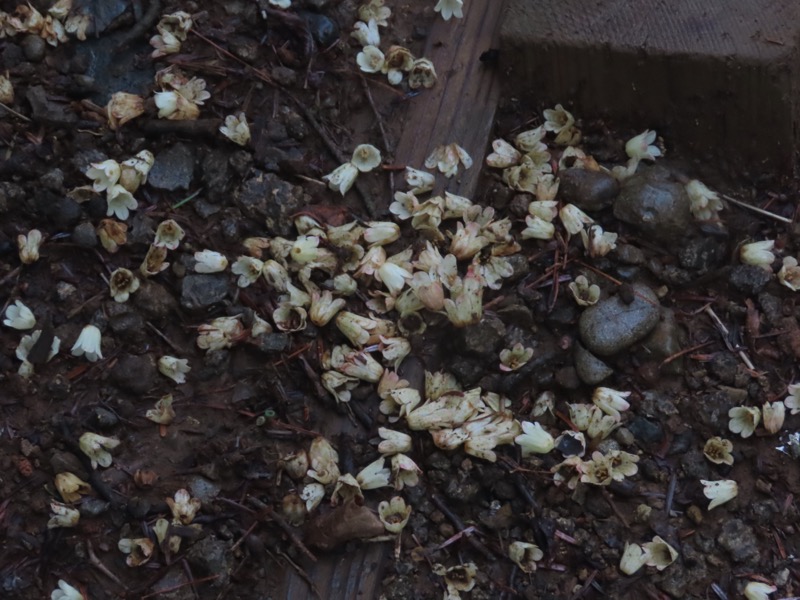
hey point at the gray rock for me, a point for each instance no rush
(611, 325)
(154, 300)
(484, 338)
(665, 341)
(61, 211)
(739, 540)
(34, 47)
(173, 168)
(135, 374)
(567, 377)
(211, 556)
(724, 366)
(467, 370)
(273, 342)
(590, 369)
(202, 488)
(84, 235)
(695, 465)
(53, 180)
(66, 462)
(102, 14)
(749, 279)
(47, 111)
(656, 205)
(323, 29)
(174, 586)
(103, 418)
(201, 290)
(284, 76)
(267, 198)
(702, 253)
(216, 174)
(205, 209)
(93, 507)
(645, 431)
(588, 190)
(629, 254)
(129, 327)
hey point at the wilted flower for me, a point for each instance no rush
(324, 461)
(525, 555)
(558, 119)
(705, 204)
(97, 447)
(467, 240)
(515, 358)
(789, 275)
(120, 202)
(236, 129)
(356, 364)
(584, 294)
(773, 414)
(289, 317)
(598, 242)
(758, 590)
(172, 30)
(112, 234)
(381, 233)
(718, 451)
(71, 487)
(29, 246)
(162, 413)
(758, 253)
(134, 171)
(122, 108)
(659, 553)
(641, 148)
(394, 514)
(341, 179)
(420, 181)
(546, 210)
(347, 490)
(122, 284)
(174, 368)
(597, 471)
(154, 261)
(719, 492)
(422, 74)
(19, 316)
(449, 411)
(744, 420)
(312, 495)
(104, 174)
(169, 235)
(26, 345)
(405, 471)
(222, 332)
(88, 344)
(460, 578)
(65, 592)
(465, 305)
(375, 10)
(324, 307)
(792, 401)
(183, 507)
(574, 219)
(366, 34)
(446, 159)
(78, 24)
(209, 261)
(537, 229)
(393, 442)
(339, 385)
(504, 155)
(62, 516)
(370, 59)
(374, 475)
(534, 439)
(139, 550)
(610, 401)
(634, 557)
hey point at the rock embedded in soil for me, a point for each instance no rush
(739, 540)
(749, 279)
(135, 374)
(267, 198)
(47, 111)
(34, 47)
(154, 300)
(173, 168)
(588, 190)
(611, 325)
(201, 290)
(656, 205)
(484, 338)
(84, 235)
(589, 368)
(703, 253)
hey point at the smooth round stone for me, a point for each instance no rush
(611, 325)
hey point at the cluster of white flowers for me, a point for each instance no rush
(658, 554)
(52, 27)
(180, 98)
(120, 181)
(173, 29)
(745, 419)
(397, 61)
(366, 157)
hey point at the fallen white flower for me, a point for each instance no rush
(88, 344)
(19, 316)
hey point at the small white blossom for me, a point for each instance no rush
(450, 8)
(122, 284)
(789, 275)
(420, 181)
(394, 514)
(174, 368)
(537, 229)
(97, 447)
(341, 179)
(123, 107)
(120, 201)
(370, 59)
(758, 253)
(222, 332)
(598, 242)
(718, 450)
(422, 74)
(584, 294)
(758, 590)
(446, 159)
(719, 492)
(62, 516)
(19, 316)
(236, 129)
(183, 507)
(660, 554)
(744, 420)
(611, 402)
(168, 235)
(515, 358)
(209, 261)
(367, 34)
(248, 269)
(534, 439)
(792, 401)
(366, 157)
(574, 219)
(28, 246)
(104, 174)
(393, 442)
(65, 592)
(773, 414)
(641, 146)
(135, 170)
(504, 155)
(88, 344)
(375, 10)
(634, 557)
(705, 204)
(525, 555)
(162, 413)
(374, 475)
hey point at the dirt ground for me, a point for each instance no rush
(245, 408)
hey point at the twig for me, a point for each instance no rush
(725, 333)
(384, 135)
(11, 274)
(302, 574)
(188, 198)
(474, 542)
(164, 337)
(101, 567)
(15, 113)
(677, 355)
(139, 29)
(616, 510)
(760, 211)
(268, 513)
(673, 482)
(244, 536)
(180, 585)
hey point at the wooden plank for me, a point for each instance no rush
(461, 107)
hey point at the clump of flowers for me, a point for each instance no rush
(180, 98)
(366, 157)
(515, 358)
(97, 447)
(123, 107)
(236, 129)
(173, 29)
(758, 254)
(705, 204)
(119, 182)
(560, 122)
(29, 246)
(446, 159)
(122, 284)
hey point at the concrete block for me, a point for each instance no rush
(715, 77)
